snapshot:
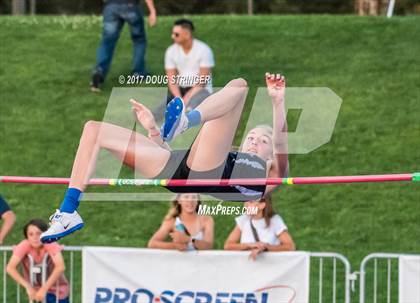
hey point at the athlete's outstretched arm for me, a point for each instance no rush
(276, 86)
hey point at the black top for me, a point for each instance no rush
(238, 165)
(4, 207)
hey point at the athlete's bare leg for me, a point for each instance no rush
(134, 149)
(220, 113)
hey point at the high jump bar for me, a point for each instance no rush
(221, 182)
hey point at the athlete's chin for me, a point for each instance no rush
(264, 155)
(258, 154)
(252, 152)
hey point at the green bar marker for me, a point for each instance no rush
(416, 177)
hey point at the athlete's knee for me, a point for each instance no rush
(239, 82)
(91, 127)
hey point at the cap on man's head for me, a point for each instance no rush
(185, 23)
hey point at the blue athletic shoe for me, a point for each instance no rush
(176, 121)
(61, 225)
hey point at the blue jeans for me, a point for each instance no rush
(114, 16)
(51, 298)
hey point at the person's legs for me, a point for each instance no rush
(215, 106)
(220, 113)
(134, 18)
(159, 111)
(112, 25)
(224, 101)
(133, 149)
(197, 98)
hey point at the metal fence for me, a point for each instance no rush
(378, 282)
(331, 278)
(12, 292)
(379, 278)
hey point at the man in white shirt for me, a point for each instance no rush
(188, 65)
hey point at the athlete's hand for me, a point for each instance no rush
(143, 115)
(276, 85)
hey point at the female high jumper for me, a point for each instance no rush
(262, 155)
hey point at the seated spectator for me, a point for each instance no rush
(263, 231)
(8, 217)
(188, 65)
(187, 229)
(56, 282)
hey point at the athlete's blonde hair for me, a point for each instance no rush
(266, 127)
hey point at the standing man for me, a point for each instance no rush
(188, 65)
(8, 217)
(115, 13)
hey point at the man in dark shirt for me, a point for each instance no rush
(115, 13)
(9, 218)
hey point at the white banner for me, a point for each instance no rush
(131, 275)
(409, 279)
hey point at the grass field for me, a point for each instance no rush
(371, 63)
